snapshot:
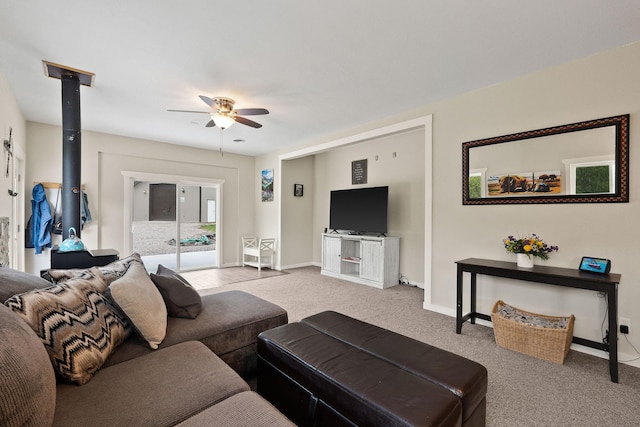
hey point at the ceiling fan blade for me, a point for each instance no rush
(251, 111)
(210, 102)
(210, 124)
(188, 111)
(247, 122)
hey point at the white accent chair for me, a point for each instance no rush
(255, 252)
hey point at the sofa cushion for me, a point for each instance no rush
(228, 324)
(27, 382)
(111, 271)
(78, 325)
(61, 275)
(162, 388)
(181, 299)
(240, 410)
(117, 269)
(14, 282)
(136, 295)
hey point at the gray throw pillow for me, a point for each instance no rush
(181, 299)
(13, 282)
(139, 299)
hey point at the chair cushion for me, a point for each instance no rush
(27, 383)
(181, 299)
(78, 325)
(136, 295)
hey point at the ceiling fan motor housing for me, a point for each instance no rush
(225, 105)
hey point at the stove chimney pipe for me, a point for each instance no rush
(71, 79)
(71, 154)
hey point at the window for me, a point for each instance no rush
(477, 187)
(591, 176)
(593, 179)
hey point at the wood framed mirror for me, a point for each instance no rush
(585, 162)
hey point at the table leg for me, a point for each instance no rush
(473, 298)
(459, 301)
(612, 299)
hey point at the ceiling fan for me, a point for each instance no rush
(223, 115)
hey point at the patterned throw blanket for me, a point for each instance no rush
(512, 313)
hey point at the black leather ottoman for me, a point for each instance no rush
(330, 369)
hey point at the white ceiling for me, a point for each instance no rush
(319, 67)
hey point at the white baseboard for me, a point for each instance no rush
(231, 264)
(626, 358)
(300, 265)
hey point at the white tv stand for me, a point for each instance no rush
(369, 260)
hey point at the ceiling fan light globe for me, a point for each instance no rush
(223, 121)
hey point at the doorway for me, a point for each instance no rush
(16, 227)
(175, 222)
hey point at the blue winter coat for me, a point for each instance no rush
(41, 219)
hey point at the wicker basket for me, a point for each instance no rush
(546, 343)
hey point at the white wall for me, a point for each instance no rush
(141, 201)
(105, 156)
(267, 214)
(11, 117)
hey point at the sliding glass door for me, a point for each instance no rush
(175, 224)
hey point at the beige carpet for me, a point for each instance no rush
(523, 391)
(205, 279)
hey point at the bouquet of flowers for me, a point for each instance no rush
(531, 245)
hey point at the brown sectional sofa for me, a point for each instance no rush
(187, 381)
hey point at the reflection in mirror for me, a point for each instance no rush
(575, 163)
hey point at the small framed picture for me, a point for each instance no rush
(297, 190)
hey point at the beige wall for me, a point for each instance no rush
(105, 156)
(404, 174)
(599, 86)
(297, 225)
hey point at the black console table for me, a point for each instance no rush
(83, 259)
(572, 278)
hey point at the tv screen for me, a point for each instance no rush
(362, 210)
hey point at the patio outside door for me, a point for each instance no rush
(173, 224)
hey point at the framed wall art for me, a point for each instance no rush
(267, 185)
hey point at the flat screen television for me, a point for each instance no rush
(360, 210)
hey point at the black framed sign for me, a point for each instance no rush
(359, 172)
(298, 190)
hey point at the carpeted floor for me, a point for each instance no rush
(523, 391)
